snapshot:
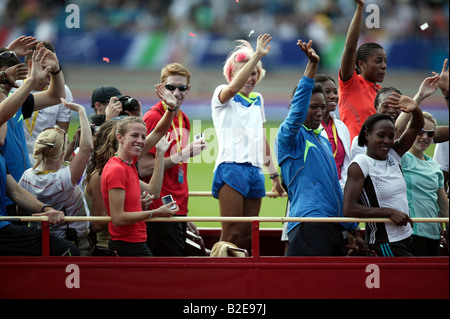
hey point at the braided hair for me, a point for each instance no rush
(376, 102)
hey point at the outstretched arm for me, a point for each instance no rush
(300, 101)
(163, 125)
(313, 58)
(348, 60)
(56, 89)
(426, 89)
(11, 105)
(155, 183)
(80, 160)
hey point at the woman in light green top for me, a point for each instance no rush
(425, 190)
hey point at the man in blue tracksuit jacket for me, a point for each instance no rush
(309, 171)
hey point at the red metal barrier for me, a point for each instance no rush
(210, 278)
(255, 277)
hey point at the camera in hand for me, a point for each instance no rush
(129, 104)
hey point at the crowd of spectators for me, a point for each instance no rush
(316, 19)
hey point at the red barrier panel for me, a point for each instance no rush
(210, 278)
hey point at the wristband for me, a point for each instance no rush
(173, 110)
(274, 176)
(55, 73)
(3, 74)
(44, 207)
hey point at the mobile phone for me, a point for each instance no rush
(200, 136)
(168, 199)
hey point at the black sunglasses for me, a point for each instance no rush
(8, 54)
(430, 133)
(171, 87)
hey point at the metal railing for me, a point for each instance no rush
(255, 221)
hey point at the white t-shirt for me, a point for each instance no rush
(239, 127)
(441, 155)
(356, 149)
(57, 190)
(384, 187)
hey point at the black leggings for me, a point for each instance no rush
(124, 248)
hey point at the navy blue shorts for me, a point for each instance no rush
(248, 180)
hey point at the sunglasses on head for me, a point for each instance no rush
(56, 128)
(8, 54)
(181, 88)
(430, 133)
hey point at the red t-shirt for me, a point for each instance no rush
(356, 98)
(117, 174)
(171, 184)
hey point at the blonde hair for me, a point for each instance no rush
(50, 145)
(175, 69)
(428, 116)
(241, 54)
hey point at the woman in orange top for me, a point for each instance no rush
(358, 87)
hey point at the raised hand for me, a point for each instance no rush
(429, 86)
(14, 73)
(49, 58)
(166, 95)
(309, 51)
(72, 106)
(163, 144)
(402, 102)
(22, 45)
(262, 45)
(443, 81)
(39, 73)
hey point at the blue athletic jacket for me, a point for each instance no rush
(307, 164)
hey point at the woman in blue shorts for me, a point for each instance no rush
(238, 116)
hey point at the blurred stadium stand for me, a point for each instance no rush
(139, 37)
